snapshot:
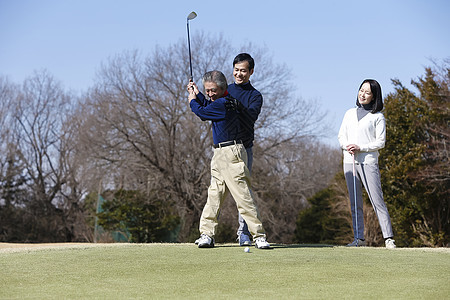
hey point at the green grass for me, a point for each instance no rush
(145, 271)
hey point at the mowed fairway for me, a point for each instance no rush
(176, 271)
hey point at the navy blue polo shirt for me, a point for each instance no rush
(225, 124)
(252, 101)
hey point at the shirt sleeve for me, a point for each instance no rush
(254, 107)
(343, 134)
(214, 111)
(201, 99)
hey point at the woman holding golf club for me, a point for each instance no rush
(362, 134)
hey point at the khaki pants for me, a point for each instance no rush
(229, 174)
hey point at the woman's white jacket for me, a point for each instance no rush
(369, 134)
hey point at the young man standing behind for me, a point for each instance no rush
(248, 102)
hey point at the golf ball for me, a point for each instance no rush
(247, 249)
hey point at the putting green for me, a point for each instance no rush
(124, 271)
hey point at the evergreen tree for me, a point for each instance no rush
(328, 219)
(147, 218)
(12, 195)
(414, 163)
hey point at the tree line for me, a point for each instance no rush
(132, 136)
(131, 139)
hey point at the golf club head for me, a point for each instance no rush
(191, 16)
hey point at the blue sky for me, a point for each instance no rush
(331, 46)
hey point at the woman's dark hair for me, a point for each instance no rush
(377, 100)
(244, 57)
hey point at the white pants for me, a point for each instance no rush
(229, 174)
(369, 176)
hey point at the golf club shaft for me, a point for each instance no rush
(189, 46)
(354, 193)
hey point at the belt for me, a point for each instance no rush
(225, 144)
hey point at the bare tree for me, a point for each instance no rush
(283, 178)
(12, 178)
(7, 94)
(140, 131)
(42, 142)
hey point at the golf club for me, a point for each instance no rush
(191, 16)
(356, 208)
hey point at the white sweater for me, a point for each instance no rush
(369, 134)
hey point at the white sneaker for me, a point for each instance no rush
(357, 243)
(390, 243)
(205, 241)
(261, 243)
(196, 241)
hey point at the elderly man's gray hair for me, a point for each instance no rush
(216, 77)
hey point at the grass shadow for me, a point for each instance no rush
(227, 245)
(290, 246)
(277, 246)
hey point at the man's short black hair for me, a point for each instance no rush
(377, 100)
(244, 57)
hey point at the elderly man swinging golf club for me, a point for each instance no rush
(247, 101)
(229, 172)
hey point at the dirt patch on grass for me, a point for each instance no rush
(27, 247)
(19, 247)
(32, 245)
(24, 247)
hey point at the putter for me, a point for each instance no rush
(191, 16)
(354, 193)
